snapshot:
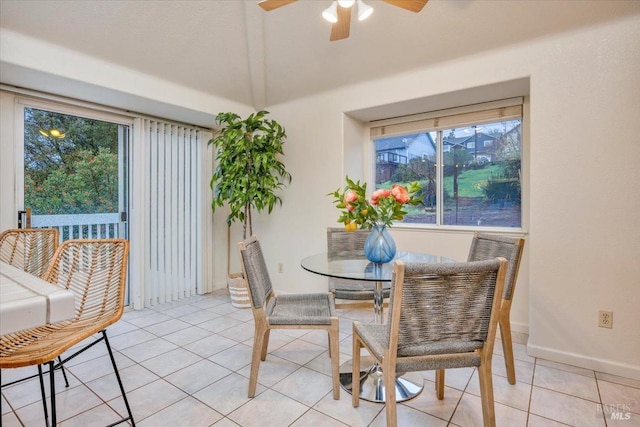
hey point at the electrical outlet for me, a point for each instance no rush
(605, 319)
(280, 268)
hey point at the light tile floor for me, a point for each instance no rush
(187, 364)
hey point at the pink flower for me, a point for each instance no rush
(400, 193)
(350, 196)
(378, 194)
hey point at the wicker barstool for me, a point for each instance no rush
(343, 244)
(296, 311)
(29, 249)
(440, 316)
(95, 271)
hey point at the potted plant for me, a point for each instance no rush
(249, 173)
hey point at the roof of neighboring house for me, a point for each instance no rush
(399, 142)
(462, 140)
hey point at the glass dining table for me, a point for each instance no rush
(361, 269)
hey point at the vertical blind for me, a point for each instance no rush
(173, 246)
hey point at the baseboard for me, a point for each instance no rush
(522, 328)
(582, 361)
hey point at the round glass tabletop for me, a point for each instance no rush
(362, 268)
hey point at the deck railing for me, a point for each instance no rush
(80, 226)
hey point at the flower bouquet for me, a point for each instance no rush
(376, 213)
(384, 206)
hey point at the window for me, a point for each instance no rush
(468, 162)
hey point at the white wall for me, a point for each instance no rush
(583, 246)
(583, 242)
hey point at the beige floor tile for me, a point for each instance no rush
(187, 335)
(171, 361)
(194, 369)
(469, 413)
(233, 358)
(619, 397)
(271, 371)
(186, 412)
(315, 418)
(10, 420)
(151, 319)
(565, 408)
(516, 395)
(129, 339)
(407, 416)
(524, 370)
(566, 382)
(227, 394)
(299, 351)
(538, 421)
(427, 401)
(210, 345)
(456, 378)
(218, 324)
(197, 376)
(132, 377)
(239, 333)
(618, 380)
(564, 367)
(149, 399)
(305, 386)
(96, 368)
(69, 403)
(268, 409)
(343, 410)
(95, 417)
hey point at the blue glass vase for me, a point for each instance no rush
(380, 246)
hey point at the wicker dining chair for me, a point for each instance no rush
(440, 316)
(343, 244)
(95, 271)
(486, 246)
(29, 249)
(295, 311)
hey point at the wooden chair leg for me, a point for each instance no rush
(507, 348)
(486, 394)
(335, 358)
(440, 384)
(265, 345)
(389, 374)
(256, 356)
(355, 371)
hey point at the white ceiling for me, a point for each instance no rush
(235, 50)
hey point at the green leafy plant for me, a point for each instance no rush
(249, 170)
(384, 206)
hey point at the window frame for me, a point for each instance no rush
(442, 120)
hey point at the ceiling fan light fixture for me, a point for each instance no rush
(364, 10)
(346, 3)
(331, 13)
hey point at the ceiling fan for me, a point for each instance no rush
(339, 13)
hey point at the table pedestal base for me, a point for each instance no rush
(372, 386)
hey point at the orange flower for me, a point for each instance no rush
(400, 193)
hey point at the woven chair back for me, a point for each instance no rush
(256, 272)
(443, 304)
(95, 271)
(485, 246)
(343, 244)
(29, 249)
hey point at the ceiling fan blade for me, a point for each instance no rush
(411, 5)
(340, 30)
(268, 5)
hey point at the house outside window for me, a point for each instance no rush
(469, 166)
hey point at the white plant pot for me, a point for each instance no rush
(238, 290)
